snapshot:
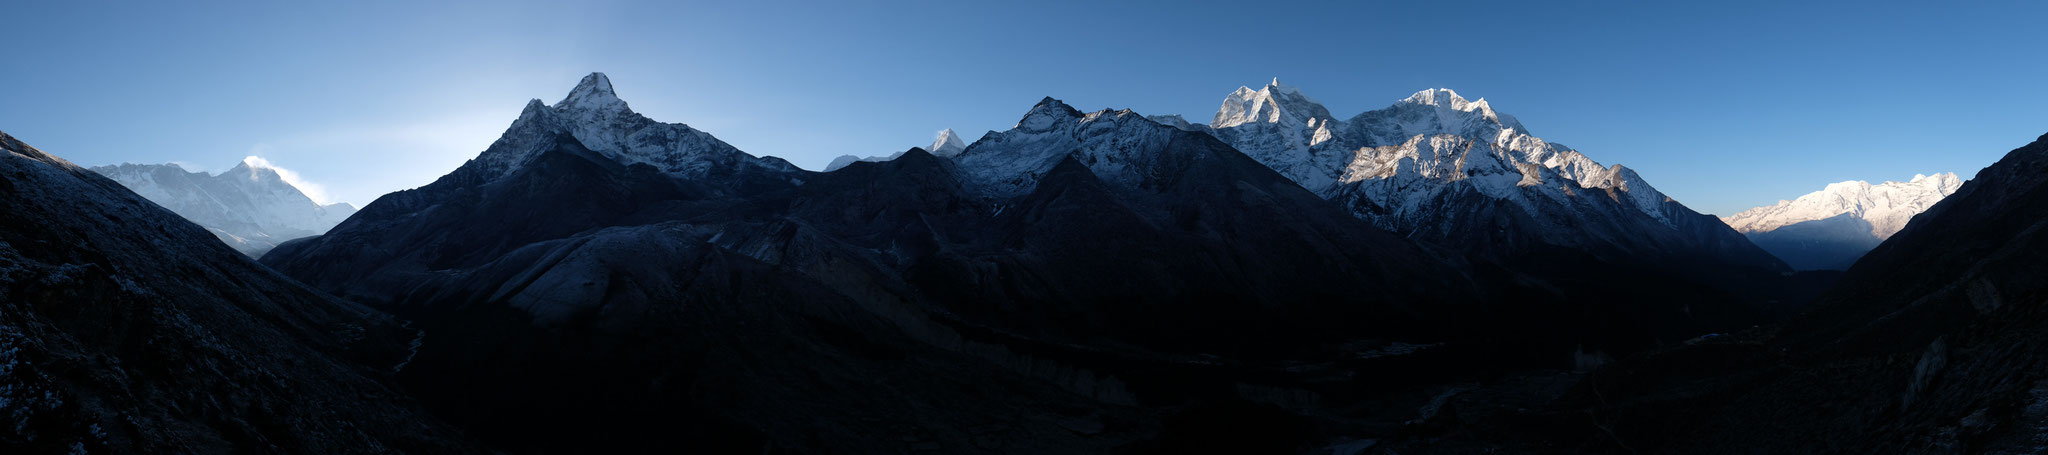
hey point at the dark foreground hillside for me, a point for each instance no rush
(126, 329)
(1936, 342)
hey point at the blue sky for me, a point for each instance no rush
(1723, 105)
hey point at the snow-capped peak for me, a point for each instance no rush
(253, 169)
(1886, 206)
(595, 116)
(260, 170)
(257, 163)
(1278, 87)
(595, 93)
(1445, 99)
(1119, 146)
(1274, 103)
(1047, 113)
(947, 144)
(1438, 97)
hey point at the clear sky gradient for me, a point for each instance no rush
(1723, 105)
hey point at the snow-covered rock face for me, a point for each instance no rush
(1433, 111)
(1442, 168)
(1118, 146)
(594, 114)
(1273, 103)
(1886, 206)
(250, 207)
(947, 144)
(1402, 156)
(1283, 128)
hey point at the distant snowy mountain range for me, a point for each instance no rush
(1831, 228)
(250, 207)
(1434, 166)
(946, 145)
(1443, 168)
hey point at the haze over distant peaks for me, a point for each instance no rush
(251, 207)
(946, 145)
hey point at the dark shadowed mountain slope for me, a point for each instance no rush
(1612, 251)
(1062, 287)
(1832, 243)
(1934, 342)
(126, 329)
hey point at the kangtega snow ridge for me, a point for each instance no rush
(1416, 165)
(1886, 206)
(1433, 134)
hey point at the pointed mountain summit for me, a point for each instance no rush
(947, 144)
(593, 86)
(1280, 126)
(1046, 114)
(593, 113)
(1273, 103)
(593, 93)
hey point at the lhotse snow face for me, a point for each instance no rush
(250, 207)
